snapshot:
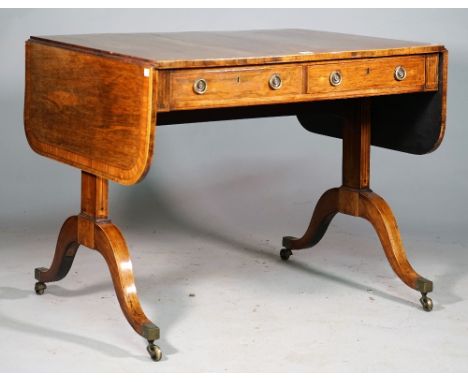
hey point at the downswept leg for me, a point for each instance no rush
(110, 243)
(376, 210)
(355, 198)
(93, 229)
(67, 245)
(325, 210)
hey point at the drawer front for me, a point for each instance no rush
(368, 76)
(232, 87)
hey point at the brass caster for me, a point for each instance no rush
(154, 351)
(40, 287)
(426, 302)
(285, 254)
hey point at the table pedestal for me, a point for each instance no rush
(93, 229)
(355, 198)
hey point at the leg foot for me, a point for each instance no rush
(40, 288)
(285, 254)
(426, 302)
(154, 351)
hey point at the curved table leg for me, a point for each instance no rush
(325, 210)
(376, 210)
(111, 244)
(92, 229)
(370, 206)
(67, 245)
(355, 198)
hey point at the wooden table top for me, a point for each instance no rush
(93, 101)
(210, 49)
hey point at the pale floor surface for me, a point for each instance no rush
(336, 307)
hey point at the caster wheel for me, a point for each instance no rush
(426, 303)
(154, 352)
(40, 288)
(285, 254)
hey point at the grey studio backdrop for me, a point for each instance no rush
(239, 184)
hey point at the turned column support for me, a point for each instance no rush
(356, 146)
(94, 208)
(92, 228)
(355, 198)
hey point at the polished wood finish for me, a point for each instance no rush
(442, 78)
(233, 87)
(356, 146)
(65, 251)
(109, 241)
(236, 48)
(371, 207)
(432, 72)
(369, 76)
(250, 85)
(93, 101)
(97, 97)
(355, 198)
(412, 123)
(92, 228)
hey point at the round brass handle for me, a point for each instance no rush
(275, 81)
(335, 78)
(200, 86)
(400, 73)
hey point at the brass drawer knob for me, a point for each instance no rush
(200, 86)
(400, 73)
(275, 81)
(335, 78)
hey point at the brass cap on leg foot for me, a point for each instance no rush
(424, 285)
(150, 331)
(38, 272)
(287, 241)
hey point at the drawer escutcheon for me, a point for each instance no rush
(200, 86)
(400, 73)
(335, 78)
(275, 81)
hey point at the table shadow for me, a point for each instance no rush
(23, 326)
(165, 321)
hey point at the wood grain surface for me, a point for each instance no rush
(355, 198)
(227, 87)
(249, 85)
(234, 48)
(92, 102)
(94, 113)
(93, 229)
(368, 75)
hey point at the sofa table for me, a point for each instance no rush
(93, 102)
